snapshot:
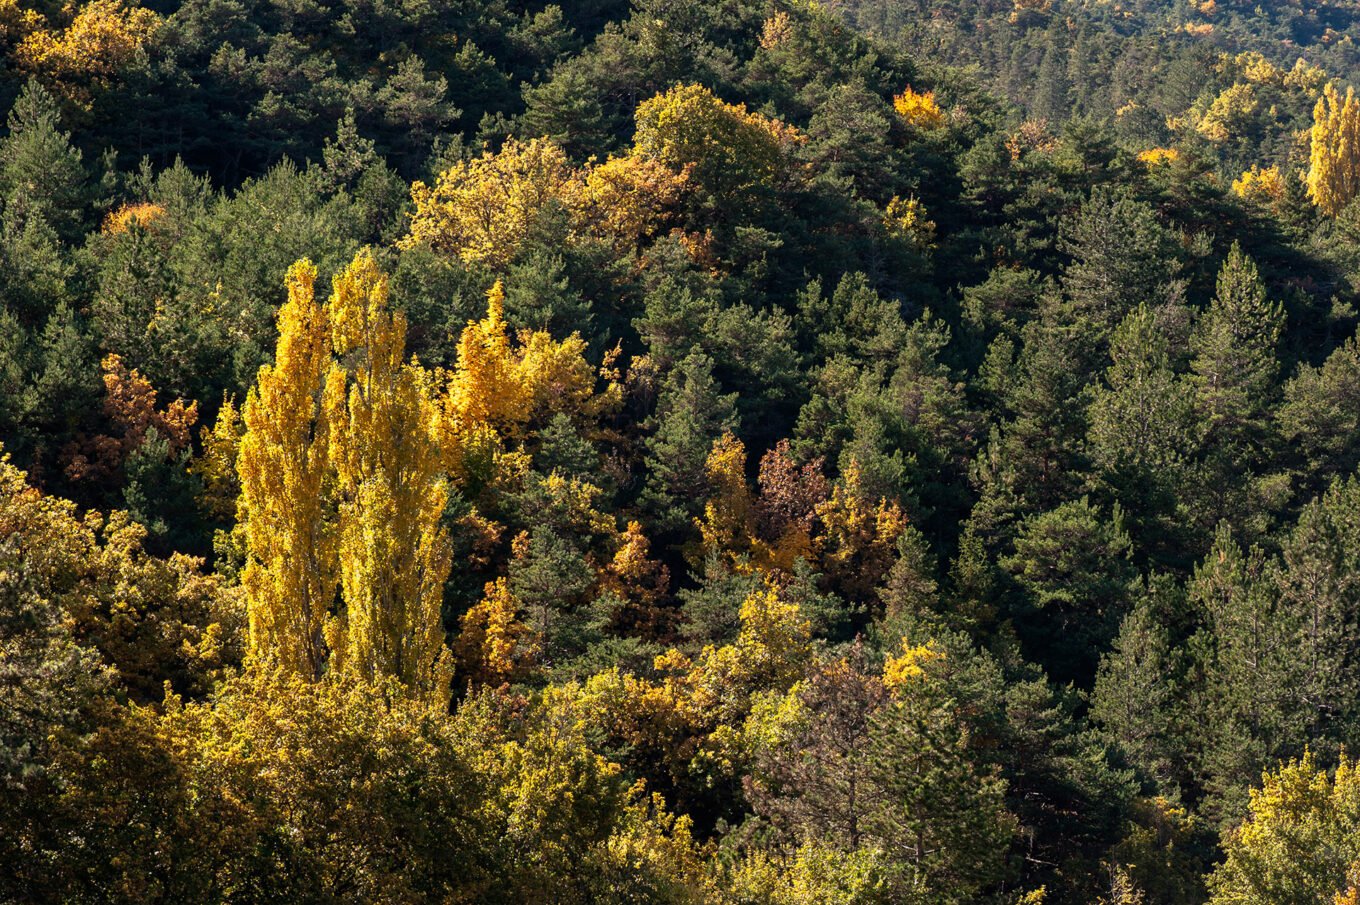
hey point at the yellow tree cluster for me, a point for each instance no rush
(484, 209)
(1154, 157)
(769, 532)
(918, 108)
(728, 147)
(907, 219)
(342, 493)
(152, 619)
(344, 453)
(1227, 113)
(859, 539)
(1301, 841)
(101, 40)
(849, 535)
(498, 385)
(1263, 185)
(494, 645)
(1334, 160)
(697, 706)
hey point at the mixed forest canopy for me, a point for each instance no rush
(744, 452)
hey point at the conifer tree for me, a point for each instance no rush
(1234, 370)
(1234, 352)
(1250, 670)
(691, 414)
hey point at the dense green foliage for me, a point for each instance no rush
(832, 470)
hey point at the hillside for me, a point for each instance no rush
(729, 452)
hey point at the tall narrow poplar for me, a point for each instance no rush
(394, 554)
(291, 567)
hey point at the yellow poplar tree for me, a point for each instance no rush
(728, 526)
(291, 568)
(394, 554)
(486, 386)
(1334, 162)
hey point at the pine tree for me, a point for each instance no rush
(1073, 562)
(1138, 687)
(1122, 257)
(1320, 414)
(41, 174)
(690, 415)
(1318, 582)
(1250, 670)
(1234, 370)
(1142, 431)
(1234, 360)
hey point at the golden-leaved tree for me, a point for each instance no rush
(102, 38)
(342, 490)
(500, 384)
(727, 148)
(1334, 162)
(292, 566)
(484, 210)
(394, 554)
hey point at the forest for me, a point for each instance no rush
(738, 452)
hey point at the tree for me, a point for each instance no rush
(691, 414)
(485, 387)
(1320, 414)
(859, 535)
(1122, 256)
(482, 210)
(292, 567)
(1142, 431)
(1234, 370)
(41, 175)
(941, 819)
(1073, 562)
(732, 151)
(1247, 656)
(1141, 419)
(103, 38)
(919, 109)
(1334, 157)
(1234, 360)
(1301, 842)
(393, 549)
(1138, 687)
(811, 777)
(727, 528)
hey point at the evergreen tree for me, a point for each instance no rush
(1073, 563)
(690, 415)
(1122, 256)
(42, 178)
